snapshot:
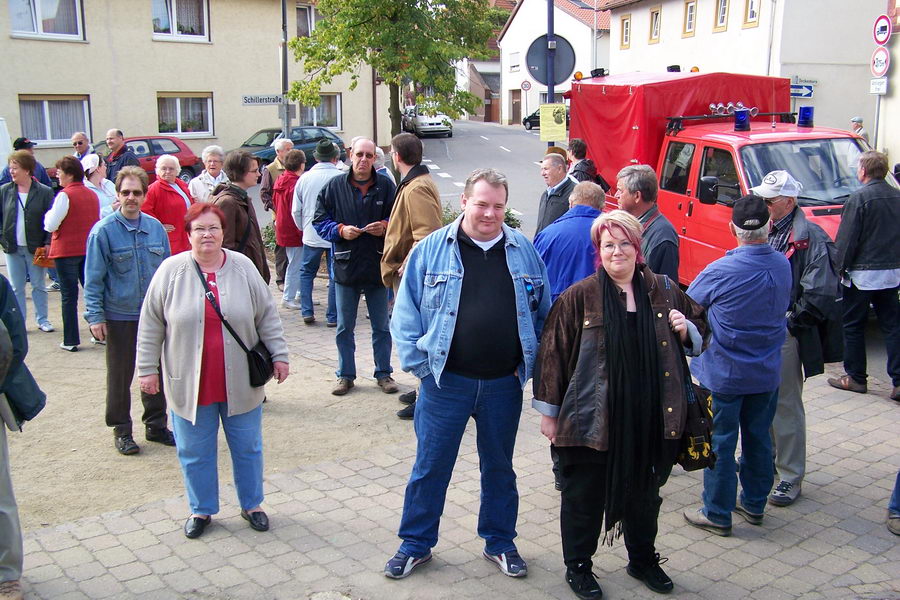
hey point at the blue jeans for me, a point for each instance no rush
(347, 298)
(197, 453)
(71, 271)
(752, 414)
(894, 504)
(292, 273)
(19, 265)
(309, 265)
(440, 421)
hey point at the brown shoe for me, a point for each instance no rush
(343, 386)
(845, 382)
(388, 385)
(11, 590)
(895, 395)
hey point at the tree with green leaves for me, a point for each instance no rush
(404, 41)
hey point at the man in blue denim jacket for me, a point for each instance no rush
(124, 250)
(466, 322)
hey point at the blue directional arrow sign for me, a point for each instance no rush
(801, 91)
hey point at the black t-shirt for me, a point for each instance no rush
(486, 338)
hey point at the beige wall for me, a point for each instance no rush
(121, 68)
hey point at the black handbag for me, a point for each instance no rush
(696, 450)
(259, 359)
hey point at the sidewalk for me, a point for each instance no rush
(334, 523)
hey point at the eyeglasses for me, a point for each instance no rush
(78, 143)
(609, 247)
(135, 193)
(775, 200)
(212, 230)
(532, 301)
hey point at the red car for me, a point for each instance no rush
(150, 147)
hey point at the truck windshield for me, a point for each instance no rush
(825, 167)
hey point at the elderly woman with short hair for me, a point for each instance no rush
(168, 199)
(202, 185)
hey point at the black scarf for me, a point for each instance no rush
(635, 418)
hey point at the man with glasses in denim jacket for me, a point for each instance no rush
(124, 250)
(466, 322)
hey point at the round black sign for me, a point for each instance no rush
(563, 60)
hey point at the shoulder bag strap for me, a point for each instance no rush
(212, 300)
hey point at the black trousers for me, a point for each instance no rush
(580, 516)
(281, 263)
(121, 354)
(856, 315)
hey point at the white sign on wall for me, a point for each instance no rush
(262, 100)
(878, 86)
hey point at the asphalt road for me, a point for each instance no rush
(510, 149)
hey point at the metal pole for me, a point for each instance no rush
(551, 56)
(285, 103)
(877, 110)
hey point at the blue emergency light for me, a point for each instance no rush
(806, 117)
(742, 119)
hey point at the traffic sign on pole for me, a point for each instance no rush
(882, 30)
(801, 91)
(881, 61)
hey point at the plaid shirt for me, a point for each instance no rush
(781, 232)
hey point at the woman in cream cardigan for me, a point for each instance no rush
(205, 370)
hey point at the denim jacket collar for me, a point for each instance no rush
(453, 233)
(142, 222)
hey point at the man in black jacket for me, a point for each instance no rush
(555, 199)
(813, 314)
(636, 191)
(119, 155)
(868, 259)
(352, 212)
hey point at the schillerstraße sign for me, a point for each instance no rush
(260, 100)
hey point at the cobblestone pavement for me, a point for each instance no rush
(334, 525)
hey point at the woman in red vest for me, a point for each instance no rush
(75, 210)
(168, 199)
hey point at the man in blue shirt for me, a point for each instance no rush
(40, 173)
(747, 295)
(565, 245)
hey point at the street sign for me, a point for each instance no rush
(563, 60)
(882, 30)
(526, 85)
(262, 100)
(878, 86)
(881, 60)
(801, 91)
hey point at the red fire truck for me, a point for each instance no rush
(711, 137)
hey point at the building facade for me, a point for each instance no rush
(585, 27)
(172, 67)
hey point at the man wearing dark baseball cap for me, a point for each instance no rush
(746, 294)
(40, 173)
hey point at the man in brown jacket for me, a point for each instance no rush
(416, 213)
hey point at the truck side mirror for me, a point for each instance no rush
(708, 191)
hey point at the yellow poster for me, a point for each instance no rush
(553, 122)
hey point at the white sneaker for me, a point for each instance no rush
(68, 348)
(46, 327)
(290, 305)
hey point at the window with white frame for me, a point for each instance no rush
(326, 114)
(515, 61)
(60, 19)
(751, 13)
(307, 17)
(720, 21)
(625, 41)
(185, 113)
(690, 18)
(181, 20)
(52, 119)
(655, 14)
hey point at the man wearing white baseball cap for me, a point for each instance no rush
(812, 314)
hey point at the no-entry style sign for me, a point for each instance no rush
(881, 60)
(882, 30)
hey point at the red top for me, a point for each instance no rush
(212, 360)
(70, 239)
(167, 205)
(286, 232)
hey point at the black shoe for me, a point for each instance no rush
(407, 397)
(126, 445)
(584, 584)
(652, 575)
(407, 413)
(258, 520)
(194, 526)
(161, 436)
